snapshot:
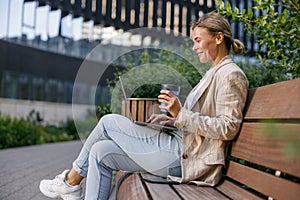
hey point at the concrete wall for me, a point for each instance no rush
(52, 113)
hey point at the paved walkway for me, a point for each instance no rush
(21, 169)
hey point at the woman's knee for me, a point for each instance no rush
(111, 123)
(103, 149)
(109, 118)
(110, 155)
(104, 123)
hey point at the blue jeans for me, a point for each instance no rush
(118, 144)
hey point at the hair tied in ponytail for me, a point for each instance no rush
(237, 46)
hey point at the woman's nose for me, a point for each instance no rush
(195, 46)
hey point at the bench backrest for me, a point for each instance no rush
(265, 157)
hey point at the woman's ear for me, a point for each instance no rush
(219, 38)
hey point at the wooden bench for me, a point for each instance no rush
(263, 161)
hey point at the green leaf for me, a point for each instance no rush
(250, 12)
(259, 56)
(255, 8)
(263, 22)
(228, 6)
(236, 10)
(285, 13)
(273, 40)
(282, 20)
(221, 5)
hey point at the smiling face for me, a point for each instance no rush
(205, 44)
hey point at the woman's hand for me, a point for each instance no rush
(173, 105)
(161, 119)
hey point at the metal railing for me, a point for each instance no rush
(128, 14)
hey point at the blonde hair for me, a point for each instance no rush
(215, 23)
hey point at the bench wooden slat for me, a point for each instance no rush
(134, 109)
(269, 145)
(125, 111)
(141, 112)
(235, 192)
(267, 184)
(157, 190)
(192, 192)
(148, 110)
(151, 108)
(275, 101)
(133, 189)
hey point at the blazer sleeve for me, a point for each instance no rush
(230, 97)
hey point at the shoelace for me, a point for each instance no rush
(58, 179)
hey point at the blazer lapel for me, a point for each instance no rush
(207, 80)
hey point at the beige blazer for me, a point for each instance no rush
(215, 118)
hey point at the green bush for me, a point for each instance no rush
(70, 129)
(145, 70)
(259, 75)
(20, 132)
(102, 110)
(15, 132)
(277, 33)
(157, 66)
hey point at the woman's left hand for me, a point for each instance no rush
(161, 119)
(173, 105)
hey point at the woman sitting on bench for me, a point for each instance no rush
(212, 114)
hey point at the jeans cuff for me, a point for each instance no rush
(82, 172)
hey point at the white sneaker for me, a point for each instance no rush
(59, 188)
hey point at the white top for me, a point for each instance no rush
(207, 77)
